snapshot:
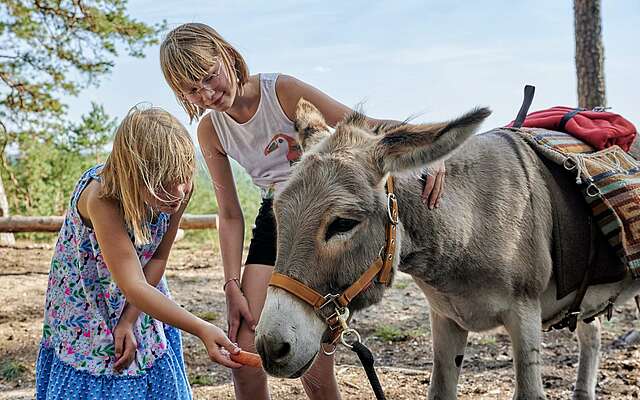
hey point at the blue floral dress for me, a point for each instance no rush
(82, 307)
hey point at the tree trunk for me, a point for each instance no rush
(54, 223)
(589, 54)
(6, 238)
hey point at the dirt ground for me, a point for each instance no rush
(397, 332)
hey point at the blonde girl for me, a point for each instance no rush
(248, 118)
(110, 324)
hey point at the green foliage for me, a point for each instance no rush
(53, 48)
(50, 49)
(41, 176)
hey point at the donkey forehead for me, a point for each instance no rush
(349, 138)
(327, 180)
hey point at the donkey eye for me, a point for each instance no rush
(340, 225)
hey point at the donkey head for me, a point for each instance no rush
(331, 219)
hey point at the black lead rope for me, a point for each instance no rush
(366, 358)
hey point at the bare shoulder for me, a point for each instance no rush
(289, 86)
(205, 127)
(207, 136)
(287, 82)
(289, 91)
(94, 208)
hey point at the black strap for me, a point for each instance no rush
(366, 358)
(567, 117)
(524, 108)
(570, 320)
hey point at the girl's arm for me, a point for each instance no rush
(230, 224)
(154, 270)
(290, 90)
(124, 265)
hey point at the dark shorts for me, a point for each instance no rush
(262, 249)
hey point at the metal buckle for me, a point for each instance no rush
(339, 311)
(330, 298)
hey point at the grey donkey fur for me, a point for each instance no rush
(483, 258)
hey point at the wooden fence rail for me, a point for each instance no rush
(53, 224)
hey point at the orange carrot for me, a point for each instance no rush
(247, 358)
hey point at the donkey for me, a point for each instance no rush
(482, 259)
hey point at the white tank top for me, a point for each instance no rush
(265, 146)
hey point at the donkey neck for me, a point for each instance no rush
(487, 207)
(435, 241)
(426, 234)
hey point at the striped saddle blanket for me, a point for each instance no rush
(610, 182)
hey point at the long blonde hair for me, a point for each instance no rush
(186, 55)
(151, 150)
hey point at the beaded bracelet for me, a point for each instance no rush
(229, 280)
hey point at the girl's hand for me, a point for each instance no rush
(218, 345)
(433, 184)
(237, 310)
(126, 345)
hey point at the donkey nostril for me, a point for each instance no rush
(272, 350)
(280, 350)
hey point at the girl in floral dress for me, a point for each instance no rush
(110, 324)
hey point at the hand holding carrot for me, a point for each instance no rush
(219, 347)
(247, 358)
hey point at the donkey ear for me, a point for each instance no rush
(407, 146)
(310, 124)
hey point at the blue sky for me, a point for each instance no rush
(434, 59)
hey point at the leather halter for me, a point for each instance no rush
(381, 269)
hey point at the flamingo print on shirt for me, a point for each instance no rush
(294, 151)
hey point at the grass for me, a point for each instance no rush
(488, 340)
(210, 316)
(401, 284)
(201, 380)
(11, 370)
(390, 333)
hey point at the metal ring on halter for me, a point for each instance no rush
(346, 333)
(328, 353)
(391, 198)
(593, 191)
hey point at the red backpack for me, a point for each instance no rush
(598, 128)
